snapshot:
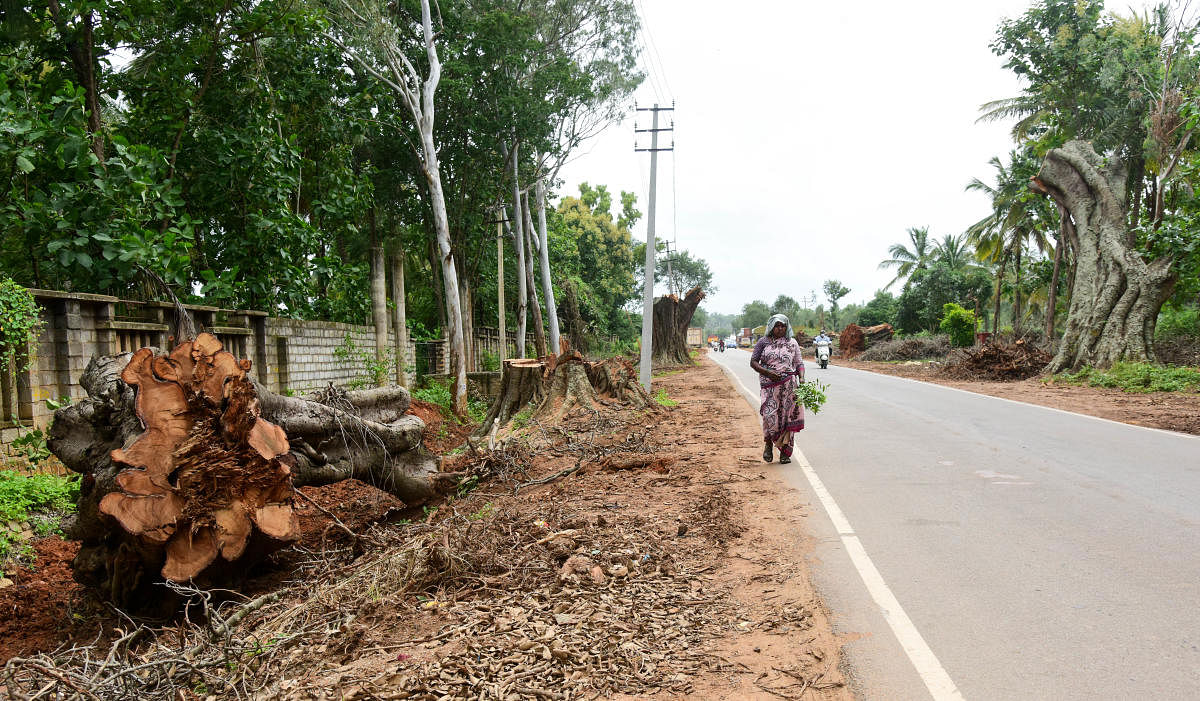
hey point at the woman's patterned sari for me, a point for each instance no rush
(782, 416)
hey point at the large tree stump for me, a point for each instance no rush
(552, 387)
(672, 316)
(1116, 292)
(189, 468)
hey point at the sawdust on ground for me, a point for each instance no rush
(1173, 411)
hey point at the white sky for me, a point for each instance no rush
(811, 135)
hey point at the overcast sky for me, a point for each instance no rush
(810, 135)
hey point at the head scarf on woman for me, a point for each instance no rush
(779, 318)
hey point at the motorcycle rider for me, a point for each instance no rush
(822, 339)
(722, 345)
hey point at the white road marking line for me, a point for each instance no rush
(1036, 406)
(941, 687)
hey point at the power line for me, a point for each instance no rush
(662, 69)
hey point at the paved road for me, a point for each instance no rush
(1038, 554)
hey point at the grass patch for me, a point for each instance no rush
(438, 393)
(663, 400)
(1136, 377)
(25, 497)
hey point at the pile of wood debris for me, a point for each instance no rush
(999, 362)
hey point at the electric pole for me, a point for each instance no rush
(648, 295)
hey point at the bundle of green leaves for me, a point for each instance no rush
(811, 395)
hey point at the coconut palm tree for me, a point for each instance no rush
(905, 260)
(955, 252)
(1019, 216)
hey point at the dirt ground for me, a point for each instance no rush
(1173, 411)
(625, 555)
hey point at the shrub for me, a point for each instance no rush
(22, 494)
(959, 324)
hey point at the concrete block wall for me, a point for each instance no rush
(286, 354)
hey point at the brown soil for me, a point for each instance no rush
(441, 434)
(1173, 411)
(44, 607)
(660, 556)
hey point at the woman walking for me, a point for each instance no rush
(777, 361)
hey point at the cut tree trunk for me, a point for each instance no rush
(672, 316)
(1116, 294)
(189, 466)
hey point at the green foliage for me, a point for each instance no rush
(21, 495)
(812, 395)
(521, 419)
(880, 310)
(834, 291)
(1176, 322)
(1137, 377)
(959, 324)
(374, 371)
(663, 400)
(922, 302)
(439, 393)
(490, 362)
(20, 322)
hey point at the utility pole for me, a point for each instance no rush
(648, 294)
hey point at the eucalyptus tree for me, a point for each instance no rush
(380, 42)
(908, 260)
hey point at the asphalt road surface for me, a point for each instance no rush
(1031, 553)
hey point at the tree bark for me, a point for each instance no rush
(539, 329)
(379, 315)
(1064, 221)
(519, 247)
(671, 319)
(399, 317)
(1017, 290)
(575, 326)
(1116, 294)
(196, 467)
(544, 250)
(996, 304)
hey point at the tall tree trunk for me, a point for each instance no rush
(399, 316)
(437, 199)
(1064, 220)
(996, 303)
(1116, 294)
(539, 328)
(544, 249)
(672, 316)
(436, 274)
(379, 316)
(500, 292)
(1017, 291)
(519, 247)
(468, 322)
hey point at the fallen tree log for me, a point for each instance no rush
(189, 467)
